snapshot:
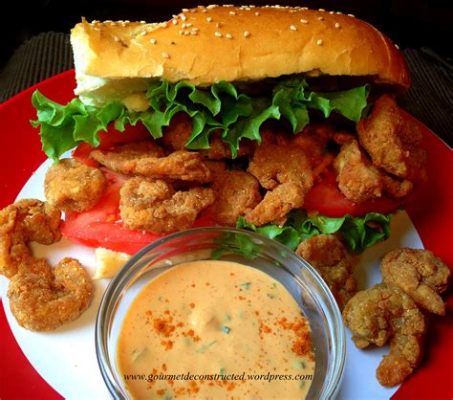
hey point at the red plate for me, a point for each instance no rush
(20, 155)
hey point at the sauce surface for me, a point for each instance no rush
(237, 331)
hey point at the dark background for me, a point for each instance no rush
(417, 23)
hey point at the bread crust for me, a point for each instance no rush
(207, 44)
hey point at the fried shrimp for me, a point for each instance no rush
(420, 274)
(155, 206)
(361, 181)
(284, 170)
(42, 298)
(331, 259)
(236, 192)
(71, 185)
(24, 221)
(392, 139)
(382, 313)
(148, 159)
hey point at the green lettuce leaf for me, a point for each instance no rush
(359, 233)
(220, 107)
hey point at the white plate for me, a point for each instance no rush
(66, 357)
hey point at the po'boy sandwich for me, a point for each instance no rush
(276, 119)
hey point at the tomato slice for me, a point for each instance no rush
(101, 226)
(326, 198)
(110, 138)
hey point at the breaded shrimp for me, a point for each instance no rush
(393, 140)
(361, 181)
(381, 313)
(155, 206)
(42, 299)
(24, 221)
(178, 133)
(71, 185)
(330, 258)
(284, 170)
(147, 159)
(357, 179)
(420, 274)
(236, 192)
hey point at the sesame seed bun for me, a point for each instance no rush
(207, 44)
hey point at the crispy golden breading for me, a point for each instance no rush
(147, 159)
(24, 221)
(42, 298)
(393, 140)
(71, 185)
(156, 207)
(420, 274)
(357, 179)
(330, 258)
(385, 312)
(236, 192)
(361, 181)
(284, 170)
(180, 129)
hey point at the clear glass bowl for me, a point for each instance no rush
(300, 279)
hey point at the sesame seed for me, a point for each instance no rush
(321, 18)
(211, 6)
(397, 47)
(337, 25)
(319, 42)
(142, 33)
(203, 10)
(209, 19)
(185, 10)
(339, 12)
(232, 13)
(321, 9)
(304, 8)
(304, 21)
(194, 33)
(229, 36)
(293, 27)
(183, 17)
(185, 33)
(351, 15)
(257, 13)
(186, 25)
(95, 21)
(174, 21)
(166, 55)
(142, 22)
(246, 34)
(154, 41)
(331, 12)
(116, 38)
(218, 34)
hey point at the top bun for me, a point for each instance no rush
(207, 44)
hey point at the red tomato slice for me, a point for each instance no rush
(110, 138)
(102, 226)
(326, 198)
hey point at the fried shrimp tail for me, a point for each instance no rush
(71, 185)
(156, 207)
(42, 298)
(22, 222)
(148, 159)
(331, 259)
(385, 313)
(420, 274)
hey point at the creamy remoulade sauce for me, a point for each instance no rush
(215, 317)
